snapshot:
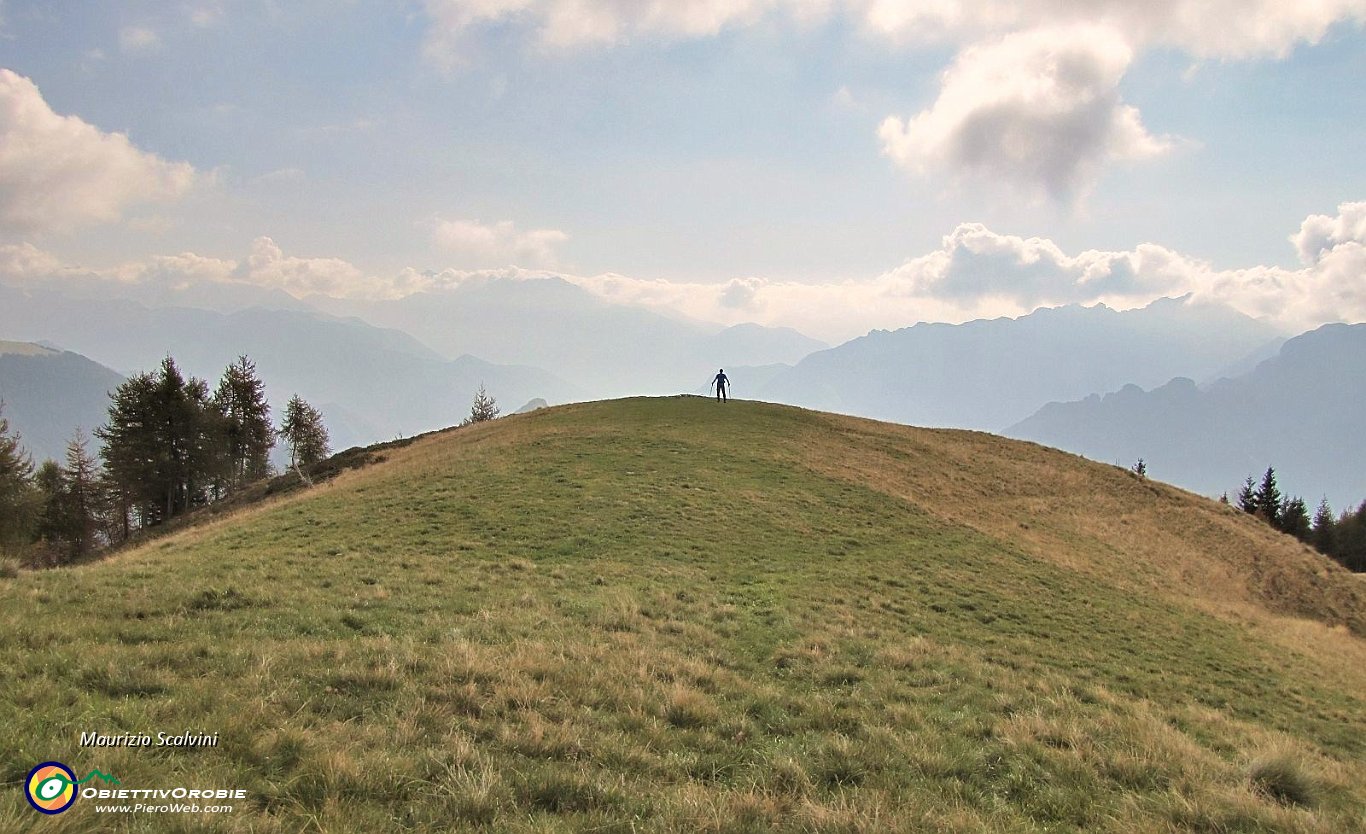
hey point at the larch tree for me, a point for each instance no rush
(247, 432)
(82, 498)
(303, 429)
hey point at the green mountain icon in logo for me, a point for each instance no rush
(108, 778)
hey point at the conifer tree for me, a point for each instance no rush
(303, 429)
(483, 409)
(1350, 549)
(1324, 536)
(1267, 499)
(162, 446)
(247, 432)
(1247, 496)
(82, 499)
(69, 527)
(1293, 518)
(50, 481)
(18, 499)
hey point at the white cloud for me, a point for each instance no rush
(1320, 236)
(974, 264)
(974, 273)
(268, 266)
(1202, 28)
(1013, 105)
(741, 293)
(59, 172)
(24, 261)
(1224, 29)
(137, 40)
(978, 273)
(1040, 109)
(477, 244)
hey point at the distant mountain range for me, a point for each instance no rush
(606, 349)
(989, 374)
(1301, 411)
(49, 393)
(546, 340)
(370, 383)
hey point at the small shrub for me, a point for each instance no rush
(9, 569)
(1282, 778)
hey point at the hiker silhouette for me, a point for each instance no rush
(721, 383)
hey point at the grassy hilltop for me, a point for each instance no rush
(670, 615)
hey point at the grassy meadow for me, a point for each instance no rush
(672, 615)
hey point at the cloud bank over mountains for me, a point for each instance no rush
(975, 273)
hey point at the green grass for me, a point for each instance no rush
(667, 615)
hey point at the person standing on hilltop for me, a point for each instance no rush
(721, 383)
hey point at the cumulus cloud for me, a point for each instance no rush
(1320, 235)
(975, 263)
(741, 293)
(1032, 97)
(268, 266)
(1038, 108)
(974, 273)
(479, 244)
(59, 172)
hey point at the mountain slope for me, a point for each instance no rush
(1300, 411)
(990, 374)
(48, 394)
(675, 615)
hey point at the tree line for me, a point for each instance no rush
(1341, 538)
(170, 445)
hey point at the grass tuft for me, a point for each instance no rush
(215, 599)
(689, 709)
(1282, 777)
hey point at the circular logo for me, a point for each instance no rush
(51, 787)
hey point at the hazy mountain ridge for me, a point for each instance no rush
(48, 394)
(1300, 411)
(387, 382)
(987, 374)
(606, 348)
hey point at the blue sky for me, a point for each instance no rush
(691, 145)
